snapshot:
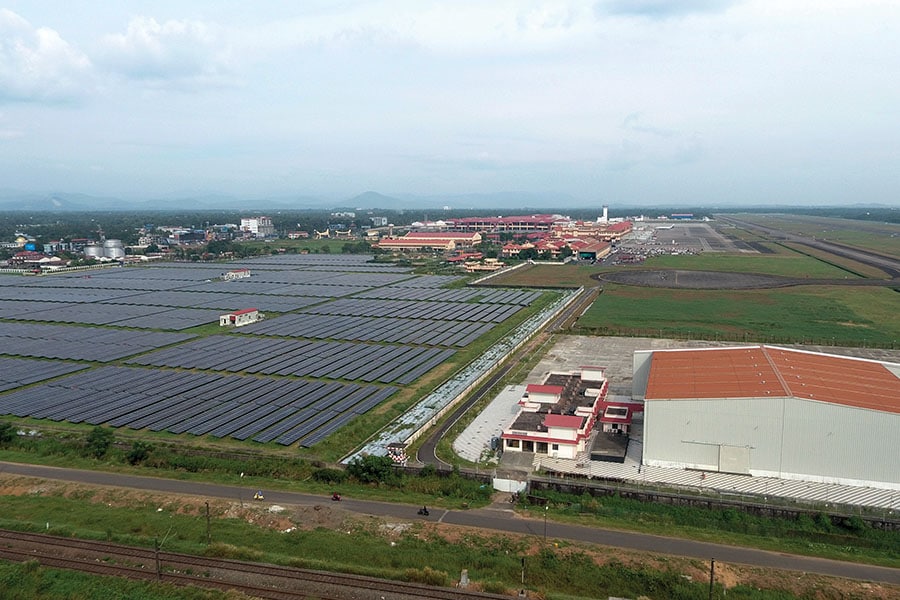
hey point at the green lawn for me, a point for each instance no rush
(843, 316)
(783, 263)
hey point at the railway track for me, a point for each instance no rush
(254, 579)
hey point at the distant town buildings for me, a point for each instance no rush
(432, 240)
(258, 226)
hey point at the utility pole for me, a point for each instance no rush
(546, 508)
(208, 540)
(156, 554)
(712, 576)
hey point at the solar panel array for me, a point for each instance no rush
(79, 343)
(371, 329)
(331, 360)
(353, 329)
(263, 409)
(16, 372)
(73, 294)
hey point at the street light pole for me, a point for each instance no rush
(546, 508)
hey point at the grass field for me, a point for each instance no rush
(822, 315)
(783, 263)
(843, 316)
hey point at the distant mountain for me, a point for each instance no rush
(15, 200)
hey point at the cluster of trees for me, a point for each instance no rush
(96, 444)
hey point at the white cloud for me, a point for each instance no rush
(175, 53)
(37, 65)
(660, 9)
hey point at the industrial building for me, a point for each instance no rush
(557, 417)
(771, 412)
(105, 250)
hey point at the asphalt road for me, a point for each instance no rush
(491, 518)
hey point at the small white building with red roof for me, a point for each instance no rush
(239, 318)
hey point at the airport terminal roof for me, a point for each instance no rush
(768, 371)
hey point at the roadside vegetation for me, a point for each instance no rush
(412, 551)
(849, 539)
(375, 477)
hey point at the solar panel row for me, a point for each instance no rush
(80, 343)
(449, 311)
(216, 300)
(200, 404)
(332, 360)
(370, 329)
(486, 296)
(16, 372)
(151, 317)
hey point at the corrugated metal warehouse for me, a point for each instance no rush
(772, 412)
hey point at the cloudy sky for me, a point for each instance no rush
(624, 102)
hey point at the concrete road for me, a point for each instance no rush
(497, 518)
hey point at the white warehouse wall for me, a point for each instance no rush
(789, 438)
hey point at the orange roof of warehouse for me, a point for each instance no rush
(761, 371)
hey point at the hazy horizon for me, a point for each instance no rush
(616, 102)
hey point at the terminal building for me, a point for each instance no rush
(771, 412)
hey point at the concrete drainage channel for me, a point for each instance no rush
(407, 428)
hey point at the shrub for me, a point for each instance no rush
(139, 452)
(7, 433)
(372, 469)
(222, 550)
(98, 441)
(329, 475)
(427, 576)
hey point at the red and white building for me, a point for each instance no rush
(557, 417)
(236, 274)
(240, 317)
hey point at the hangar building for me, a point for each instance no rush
(772, 412)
